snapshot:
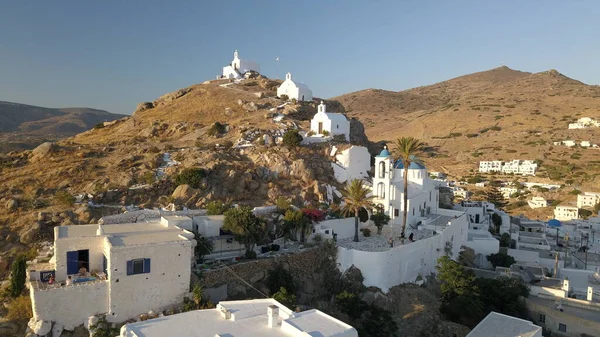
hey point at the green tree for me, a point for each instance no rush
(356, 196)
(497, 221)
(407, 151)
(456, 281)
(597, 208)
(197, 294)
(278, 278)
(17, 276)
(191, 176)
(505, 240)
(503, 295)
(247, 228)
(204, 246)
(284, 297)
(494, 196)
(291, 138)
(501, 260)
(217, 207)
(293, 220)
(380, 219)
(585, 213)
(104, 329)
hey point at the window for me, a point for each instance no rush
(396, 212)
(381, 190)
(337, 126)
(138, 266)
(381, 169)
(542, 318)
(562, 327)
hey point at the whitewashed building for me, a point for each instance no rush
(351, 162)
(249, 318)
(522, 167)
(537, 202)
(490, 166)
(294, 90)
(588, 199)
(120, 270)
(238, 67)
(332, 123)
(565, 213)
(584, 122)
(500, 325)
(507, 191)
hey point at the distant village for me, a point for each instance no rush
(134, 267)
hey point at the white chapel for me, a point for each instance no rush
(238, 67)
(333, 123)
(291, 89)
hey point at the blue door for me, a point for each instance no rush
(72, 262)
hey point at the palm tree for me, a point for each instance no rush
(356, 197)
(407, 150)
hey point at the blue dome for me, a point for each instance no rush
(412, 166)
(384, 152)
(554, 223)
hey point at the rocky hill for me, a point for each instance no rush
(499, 114)
(25, 126)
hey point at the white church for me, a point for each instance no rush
(238, 67)
(388, 189)
(333, 123)
(294, 90)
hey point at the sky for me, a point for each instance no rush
(113, 54)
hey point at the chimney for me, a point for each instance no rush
(100, 230)
(225, 314)
(273, 316)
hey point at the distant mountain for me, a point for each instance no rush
(24, 126)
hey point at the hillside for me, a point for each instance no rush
(25, 126)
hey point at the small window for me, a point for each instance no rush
(542, 318)
(562, 327)
(413, 211)
(230, 240)
(138, 266)
(337, 126)
(396, 212)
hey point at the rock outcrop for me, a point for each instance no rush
(43, 151)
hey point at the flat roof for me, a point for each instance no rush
(579, 312)
(499, 325)
(248, 319)
(128, 234)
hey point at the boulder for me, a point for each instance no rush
(43, 151)
(39, 327)
(144, 106)
(57, 330)
(251, 106)
(184, 192)
(12, 205)
(259, 94)
(28, 235)
(92, 320)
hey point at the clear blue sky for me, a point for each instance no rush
(113, 54)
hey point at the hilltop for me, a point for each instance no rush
(25, 126)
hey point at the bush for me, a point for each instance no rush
(278, 278)
(495, 128)
(216, 129)
(191, 176)
(19, 309)
(310, 133)
(64, 198)
(292, 138)
(472, 135)
(284, 97)
(217, 207)
(17, 276)
(366, 232)
(325, 133)
(99, 126)
(148, 177)
(501, 260)
(286, 298)
(227, 144)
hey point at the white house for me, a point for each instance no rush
(537, 202)
(564, 213)
(332, 123)
(238, 67)
(507, 191)
(500, 325)
(460, 192)
(120, 270)
(353, 162)
(249, 318)
(388, 189)
(584, 122)
(588, 199)
(490, 166)
(523, 167)
(295, 90)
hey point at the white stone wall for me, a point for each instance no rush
(356, 161)
(147, 214)
(165, 285)
(95, 245)
(70, 305)
(404, 263)
(343, 227)
(209, 225)
(484, 246)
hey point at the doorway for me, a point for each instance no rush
(320, 128)
(76, 260)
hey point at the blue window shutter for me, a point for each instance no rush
(72, 262)
(146, 266)
(130, 267)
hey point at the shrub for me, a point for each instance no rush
(310, 133)
(216, 129)
(19, 309)
(278, 278)
(217, 207)
(575, 192)
(148, 177)
(284, 297)
(292, 138)
(284, 97)
(191, 176)
(501, 260)
(325, 133)
(366, 232)
(17, 276)
(64, 198)
(227, 144)
(98, 126)
(472, 135)
(495, 128)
